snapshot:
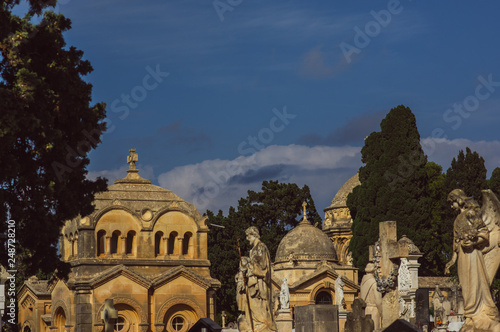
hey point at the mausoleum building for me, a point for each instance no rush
(145, 248)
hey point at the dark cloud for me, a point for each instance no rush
(258, 175)
(353, 132)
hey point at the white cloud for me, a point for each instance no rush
(218, 184)
(442, 151)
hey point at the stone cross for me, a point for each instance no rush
(109, 315)
(132, 158)
(223, 315)
(385, 254)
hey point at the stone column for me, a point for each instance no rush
(124, 246)
(83, 308)
(108, 246)
(165, 246)
(284, 320)
(179, 247)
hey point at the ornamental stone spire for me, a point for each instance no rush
(132, 172)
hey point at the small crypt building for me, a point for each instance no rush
(306, 257)
(145, 248)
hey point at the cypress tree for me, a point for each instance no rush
(494, 181)
(394, 186)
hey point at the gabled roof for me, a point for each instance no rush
(188, 274)
(322, 271)
(120, 270)
(37, 287)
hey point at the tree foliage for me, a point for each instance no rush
(274, 211)
(394, 186)
(47, 128)
(494, 181)
(467, 172)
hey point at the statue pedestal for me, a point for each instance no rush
(342, 319)
(284, 320)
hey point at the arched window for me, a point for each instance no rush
(60, 319)
(115, 242)
(186, 242)
(101, 243)
(130, 242)
(26, 329)
(158, 244)
(324, 298)
(171, 243)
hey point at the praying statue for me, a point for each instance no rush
(284, 295)
(339, 292)
(254, 289)
(476, 248)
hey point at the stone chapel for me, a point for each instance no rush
(145, 248)
(312, 260)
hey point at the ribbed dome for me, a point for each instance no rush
(306, 243)
(341, 197)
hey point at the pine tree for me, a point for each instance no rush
(394, 186)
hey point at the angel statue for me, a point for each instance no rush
(476, 247)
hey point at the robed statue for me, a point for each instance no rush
(254, 290)
(476, 248)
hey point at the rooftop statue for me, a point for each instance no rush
(476, 247)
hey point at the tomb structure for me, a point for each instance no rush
(145, 248)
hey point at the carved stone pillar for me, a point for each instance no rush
(165, 246)
(108, 246)
(124, 246)
(179, 247)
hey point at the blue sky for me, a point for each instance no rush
(217, 96)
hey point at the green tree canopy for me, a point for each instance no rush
(47, 128)
(394, 186)
(494, 181)
(274, 211)
(467, 172)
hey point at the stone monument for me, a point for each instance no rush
(254, 289)
(476, 248)
(408, 278)
(385, 255)
(371, 296)
(357, 321)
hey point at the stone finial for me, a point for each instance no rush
(304, 205)
(133, 173)
(132, 158)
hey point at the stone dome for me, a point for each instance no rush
(305, 243)
(340, 198)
